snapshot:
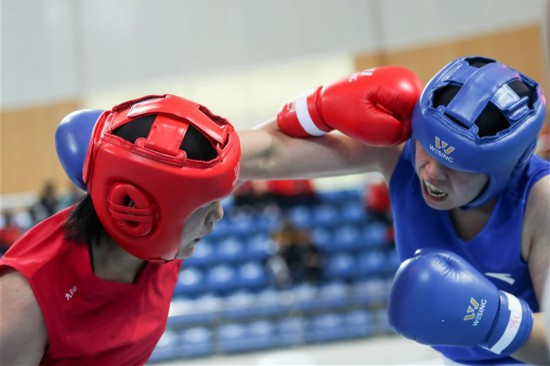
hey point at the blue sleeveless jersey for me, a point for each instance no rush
(495, 250)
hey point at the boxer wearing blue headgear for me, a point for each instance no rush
(474, 130)
(480, 116)
(469, 199)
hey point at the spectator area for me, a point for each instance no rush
(226, 302)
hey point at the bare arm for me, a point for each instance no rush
(23, 336)
(267, 153)
(536, 251)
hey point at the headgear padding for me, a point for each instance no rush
(144, 190)
(454, 132)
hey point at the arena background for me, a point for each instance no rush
(242, 59)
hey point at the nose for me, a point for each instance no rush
(216, 214)
(428, 167)
(434, 170)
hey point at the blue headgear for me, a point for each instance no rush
(450, 132)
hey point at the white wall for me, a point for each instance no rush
(62, 49)
(241, 58)
(38, 60)
(415, 22)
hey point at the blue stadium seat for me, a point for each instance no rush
(272, 302)
(222, 229)
(371, 263)
(291, 331)
(229, 250)
(322, 238)
(203, 310)
(240, 337)
(347, 237)
(166, 347)
(190, 282)
(354, 212)
(333, 295)
(359, 323)
(262, 335)
(222, 279)
(301, 216)
(340, 266)
(338, 196)
(392, 262)
(196, 342)
(252, 275)
(326, 215)
(258, 247)
(325, 327)
(180, 312)
(304, 296)
(382, 322)
(375, 234)
(232, 338)
(242, 224)
(371, 291)
(267, 221)
(238, 305)
(203, 254)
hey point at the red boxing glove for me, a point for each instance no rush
(373, 106)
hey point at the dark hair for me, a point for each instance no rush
(83, 224)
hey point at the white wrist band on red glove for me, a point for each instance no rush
(304, 117)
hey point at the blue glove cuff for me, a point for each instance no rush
(512, 326)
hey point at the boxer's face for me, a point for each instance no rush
(444, 188)
(199, 224)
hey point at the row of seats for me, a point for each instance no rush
(328, 214)
(227, 277)
(359, 265)
(243, 225)
(231, 249)
(342, 195)
(212, 308)
(235, 337)
(331, 209)
(222, 279)
(259, 247)
(225, 301)
(348, 237)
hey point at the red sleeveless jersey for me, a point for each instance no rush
(91, 321)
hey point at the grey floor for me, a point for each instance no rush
(387, 350)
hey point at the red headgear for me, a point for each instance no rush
(164, 185)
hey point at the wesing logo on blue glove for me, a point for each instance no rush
(475, 311)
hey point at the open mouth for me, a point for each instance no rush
(433, 191)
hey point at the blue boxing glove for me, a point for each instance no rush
(438, 298)
(72, 139)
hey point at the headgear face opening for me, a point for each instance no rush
(145, 190)
(454, 132)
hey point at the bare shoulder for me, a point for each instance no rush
(23, 336)
(537, 215)
(536, 233)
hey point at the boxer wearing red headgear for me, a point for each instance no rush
(467, 184)
(163, 182)
(92, 285)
